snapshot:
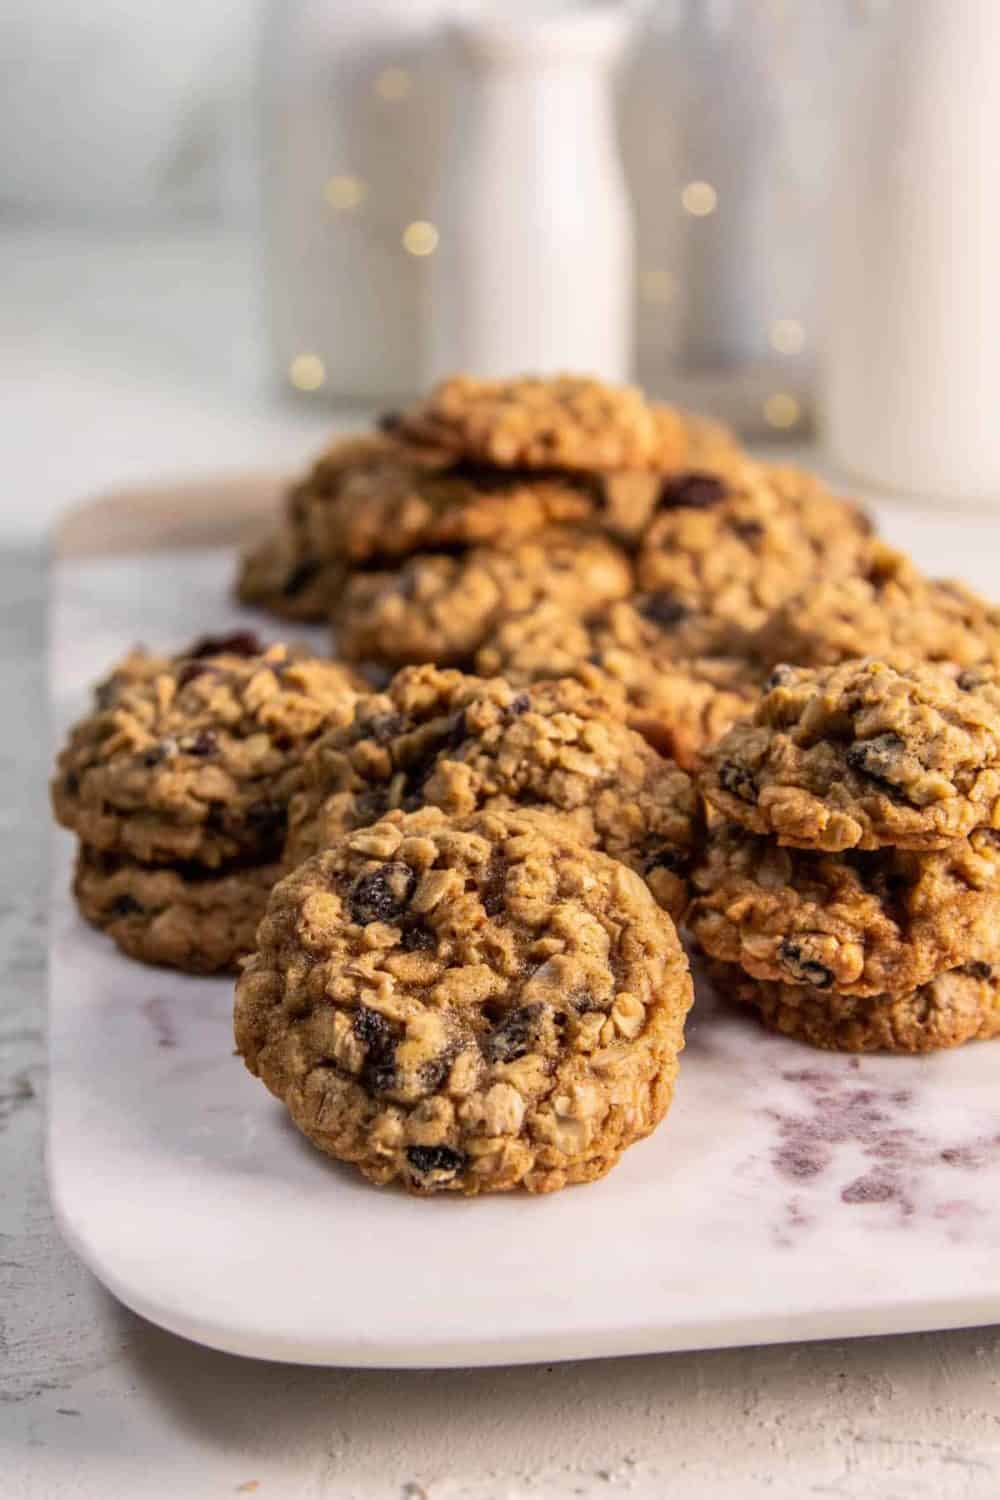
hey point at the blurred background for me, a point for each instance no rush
(224, 226)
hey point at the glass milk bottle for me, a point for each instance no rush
(532, 267)
(914, 326)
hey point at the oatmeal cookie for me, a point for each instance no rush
(627, 652)
(281, 575)
(737, 540)
(888, 610)
(466, 1006)
(180, 916)
(962, 1005)
(859, 923)
(462, 744)
(196, 760)
(860, 755)
(566, 422)
(440, 608)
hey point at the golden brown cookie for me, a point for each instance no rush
(466, 1006)
(196, 759)
(564, 422)
(440, 607)
(462, 744)
(888, 610)
(860, 755)
(962, 1005)
(180, 916)
(631, 654)
(736, 540)
(858, 923)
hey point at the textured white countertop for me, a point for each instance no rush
(126, 358)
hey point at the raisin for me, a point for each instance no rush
(973, 678)
(389, 421)
(301, 576)
(806, 970)
(425, 1159)
(204, 742)
(158, 753)
(662, 608)
(693, 491)
(267, 819)
(518, 705)
(417, 938)
(677, 861)
(125, 906)
(977, 969)
(237, 643)
(380, 1038)
(514, 1035)
(876, 758)
(780, 677)
(748, 531)
(382, 895)
(71, 782)
(737, 780)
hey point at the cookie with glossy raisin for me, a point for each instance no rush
(855, 923)
(961, 1005)
(863, 755)
(460, 743)
(466, 1005)
(195, 759)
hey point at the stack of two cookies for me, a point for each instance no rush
(485, 499)
(177, 783)
(850, 888)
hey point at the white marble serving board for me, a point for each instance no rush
(789, 1195)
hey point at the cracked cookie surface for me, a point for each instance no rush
(194, 757)
(197, 921)
(466, 1006)
(566, 422)
(463, 744)
(858, 924)
(962, 1005)
(440, 608)
(860, 755)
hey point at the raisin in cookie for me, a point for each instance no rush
(888, 610)
(462, 744)
(196, 760)
(566, 422)
(466, 1006)
(682, 704)
(184, 917)
(737, 540)
(962, 1005)
(861, 755)
(440, 608)
(861, 923)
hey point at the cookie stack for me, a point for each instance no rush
(850, 888)
(177, 784)
(532, 526)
